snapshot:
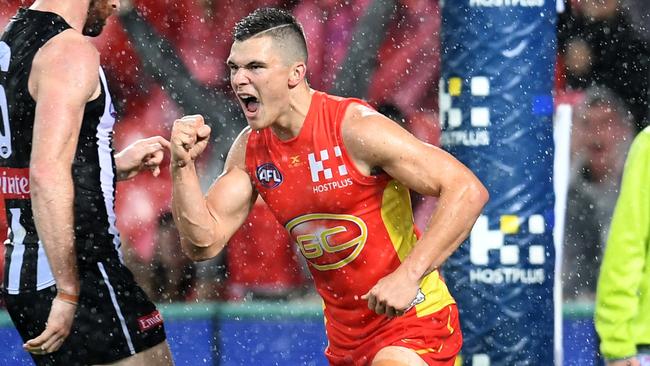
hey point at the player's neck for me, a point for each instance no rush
(289, 124)
(71, 10)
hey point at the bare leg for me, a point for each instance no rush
(158, 355)
(397, 356)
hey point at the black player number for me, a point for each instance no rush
(5, 129)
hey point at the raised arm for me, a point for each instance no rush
(374, 142)
(206, 223)
(61, 91)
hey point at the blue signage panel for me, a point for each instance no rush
(496, 109)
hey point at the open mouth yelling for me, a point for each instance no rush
(250, 104)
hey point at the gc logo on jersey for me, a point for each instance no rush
(328, 241)
(269, 175)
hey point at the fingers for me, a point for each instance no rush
(56, 345)
(391, 312)
(381, 306)
(35, 345)
(150, 150)
(374, 304)
(35, 350)
(53, 344)
(372, 300)
(188, 130)
(185, 136)
(153, 159)
(199, 147)
(47, 342)
(189, 139)
(158, 141)
(192, 122)
(193, 119)
(57, 329)
(203, 132)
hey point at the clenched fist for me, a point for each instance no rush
(189, 138)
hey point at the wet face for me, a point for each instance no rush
(98, 12)
(259, 77)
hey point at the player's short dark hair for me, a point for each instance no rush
(277, 23)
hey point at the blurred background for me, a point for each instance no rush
(166, 58)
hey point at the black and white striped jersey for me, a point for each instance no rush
(93, 169)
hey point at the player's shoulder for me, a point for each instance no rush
(242, 138)
(357, 111)
(67, 59)
(68, 47)
(361, 121)
(237, 154)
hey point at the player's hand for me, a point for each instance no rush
(56, 331)
(392, 295)
(144, 154)
(189, 138)
(632, 361)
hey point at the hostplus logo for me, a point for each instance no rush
(506, 3)
(323, 170)
(454, 131)
(484, 241)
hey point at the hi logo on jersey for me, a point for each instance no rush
(322, 168)
(269, 175)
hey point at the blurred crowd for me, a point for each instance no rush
(166, 58)
(604, 72)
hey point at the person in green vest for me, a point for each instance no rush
(622, 313)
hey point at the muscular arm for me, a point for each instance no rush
(374, 141)
(61, 91)
(207, 223)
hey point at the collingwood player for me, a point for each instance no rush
(66, 288)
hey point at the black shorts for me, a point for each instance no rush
(114, 319)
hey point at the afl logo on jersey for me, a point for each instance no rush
(269, 175)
